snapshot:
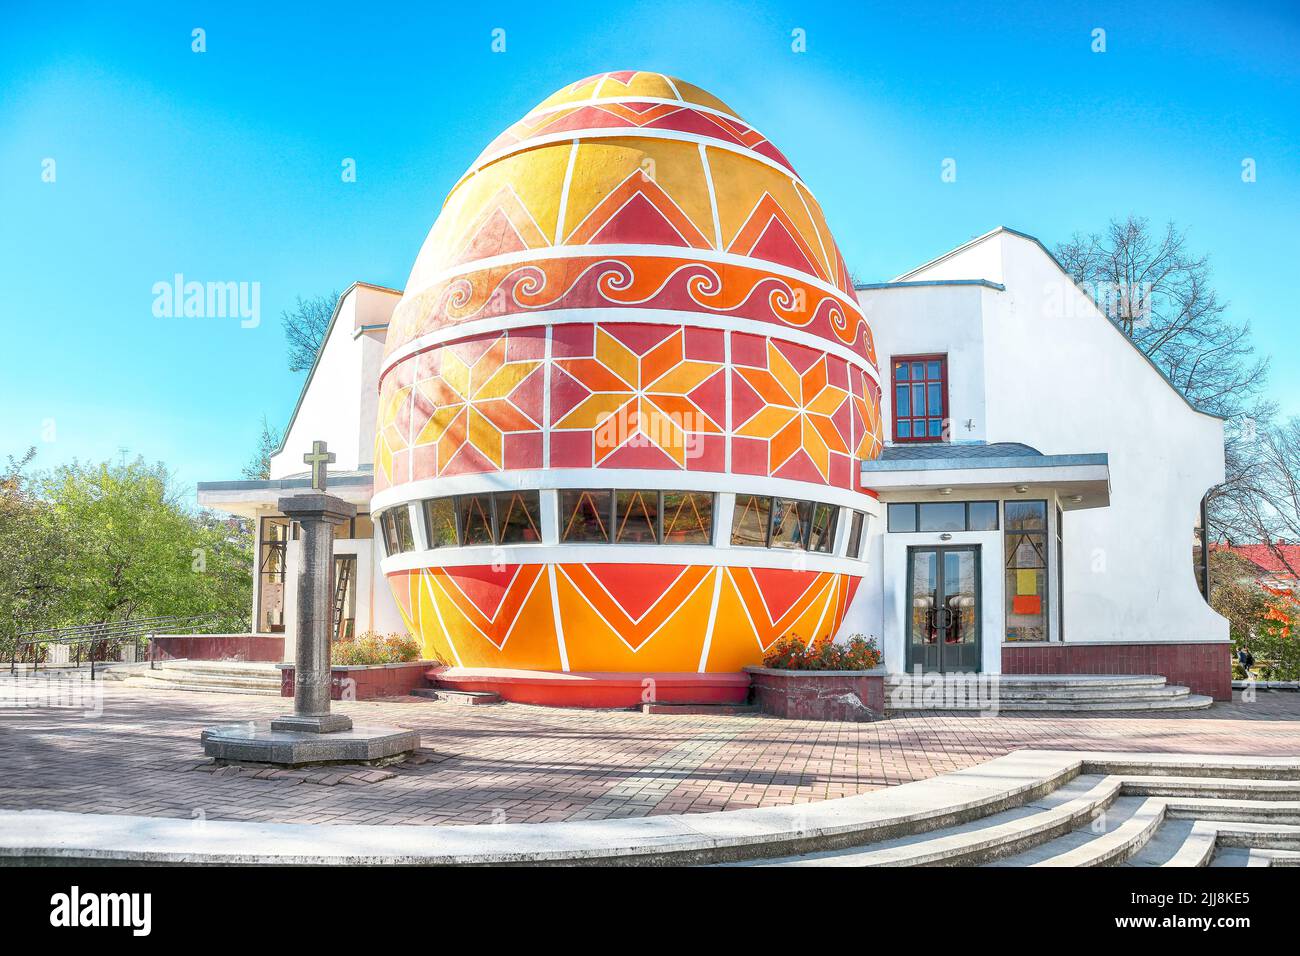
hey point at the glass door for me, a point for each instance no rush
(943, 619)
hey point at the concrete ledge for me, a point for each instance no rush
(614, 689)
(1266, 684)
(32, 836)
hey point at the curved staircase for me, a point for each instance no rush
(1077, 693)
(212, 677)
(1144, 810)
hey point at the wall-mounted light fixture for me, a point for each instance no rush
(1021, 489)
(945, 491)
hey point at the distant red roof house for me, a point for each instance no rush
(1266, 558)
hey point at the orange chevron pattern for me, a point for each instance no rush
(617, 617)
(602, 224)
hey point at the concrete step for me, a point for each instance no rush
(715, 710)
(205, 676)
(905, 693)
(981, 840)
(1136, 766)
(1094, 693)
(1157, 831)
(1235, 856)
(1236, 843)
(221, 668)
(204, 688)
(1168, 841)
(1258, 857)
(197, 678)
(1233, 788)
(1229, 811)
(1142, 704)
(1032, 682)
(1253, 834)
(1114, 835)
(466, 697)
(1105, 819)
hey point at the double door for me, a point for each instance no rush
(943, 631)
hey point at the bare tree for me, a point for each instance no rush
(1159, 294)
(304, 328)
(1269, 508)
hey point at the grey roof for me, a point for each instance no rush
(922, 451)
(362, 476)
(368, 470)
(986, 283)
(938, 456)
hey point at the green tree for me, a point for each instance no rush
(34, 575)
(1236, 594)
(135, 551)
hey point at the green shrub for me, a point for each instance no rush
(1274, 641)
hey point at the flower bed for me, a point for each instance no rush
(793, 653)
(820, 680)
(371, 648)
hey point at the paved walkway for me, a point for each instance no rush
(517, 764)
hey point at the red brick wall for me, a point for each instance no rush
(1205, 668)
(217, 647)
(813, 695)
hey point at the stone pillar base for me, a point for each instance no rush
(323, 724)
(262, 743)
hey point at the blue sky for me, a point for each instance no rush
(225, 165)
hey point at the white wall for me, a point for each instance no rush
(934, 319)
(1060, 377)
(339, 405)
(339, 401)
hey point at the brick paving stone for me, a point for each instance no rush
(513, 763)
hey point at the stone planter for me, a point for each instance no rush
(819, 695)
(365, 681)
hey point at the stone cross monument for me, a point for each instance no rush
(311, 734)
(317, 514)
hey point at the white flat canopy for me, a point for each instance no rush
(1005, 466)
(251, 498)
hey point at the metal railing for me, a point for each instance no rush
(109, 632)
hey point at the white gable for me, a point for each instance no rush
(338, 401)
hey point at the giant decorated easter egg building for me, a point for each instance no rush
(623, 402)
